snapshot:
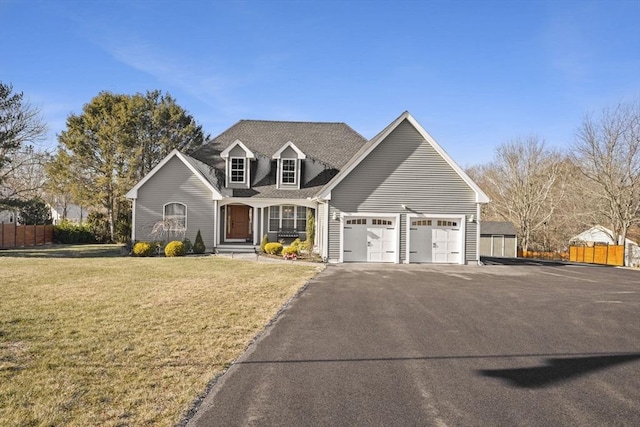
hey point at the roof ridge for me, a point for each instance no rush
(294, 121)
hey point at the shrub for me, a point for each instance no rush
(311, 229)
(69, 232)
(263, 243)
(175, 248)
(188, 246)
(296, 243)
(290, 252)
(273, 248)
(143, 249)
(198, 246)
(99, 225)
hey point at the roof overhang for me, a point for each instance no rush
(133, 193)
(299, 152)
(234, 144)
(325, 192)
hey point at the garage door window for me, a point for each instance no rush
(447, 223)
(357, 221)
(421, 222)
(378, 221)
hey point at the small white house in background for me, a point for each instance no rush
(8, 217)
(74, 213)
(602, 235)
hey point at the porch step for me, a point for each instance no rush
(240, 248)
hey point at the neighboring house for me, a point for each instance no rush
(70, 212)
(602, 235)
(396, 198)
(498, 239)
(8, 216)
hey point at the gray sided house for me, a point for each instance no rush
(397, 198)
(498, 239)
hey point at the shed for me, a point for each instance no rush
(498, 239)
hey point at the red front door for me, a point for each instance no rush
(239, 222)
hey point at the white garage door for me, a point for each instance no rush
(369, 239)
(435, 240)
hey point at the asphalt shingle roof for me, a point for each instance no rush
(331, 144)
(497, 228)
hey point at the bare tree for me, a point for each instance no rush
(607, 153)
(21, 171)
(24, 176)
(526, 184)
(20, 124)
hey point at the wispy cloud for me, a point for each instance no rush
(199, 81)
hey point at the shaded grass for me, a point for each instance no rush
(64, 251)
(126, 341)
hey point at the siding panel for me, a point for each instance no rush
(175, 183)
(404, 169)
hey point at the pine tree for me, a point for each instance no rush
(198, 246)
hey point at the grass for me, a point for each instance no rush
(118, 341)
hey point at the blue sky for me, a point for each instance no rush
(474, 73)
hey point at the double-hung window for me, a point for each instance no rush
(175, 216)
(288, 171)
(237, 170)
(287, 217)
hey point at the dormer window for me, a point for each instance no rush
(237, 157)
(289, 159)
(237, 172)
(288, 170)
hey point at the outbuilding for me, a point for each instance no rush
(498, 239)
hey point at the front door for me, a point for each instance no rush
(239, 224)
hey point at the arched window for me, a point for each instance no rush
(175, 216)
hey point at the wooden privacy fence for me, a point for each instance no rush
(20, 236)
(598, 254)
(560, 256)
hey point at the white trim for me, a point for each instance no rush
(261, 210)
(325, 232)
(481, 197)
(216, 225)
(266, 202)
(234, 144)
(133, 220)
(478, 235)
(256, 231)
(463, 232)
(299, 152)
(133, 193)
(296, 172)
(230, 169)
(344, 215)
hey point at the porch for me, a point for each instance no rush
(244, 223)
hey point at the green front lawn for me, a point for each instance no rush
(126, 341)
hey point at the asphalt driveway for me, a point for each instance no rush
(410, 345)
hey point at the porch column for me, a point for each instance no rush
(256, 230)
(216, 226)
